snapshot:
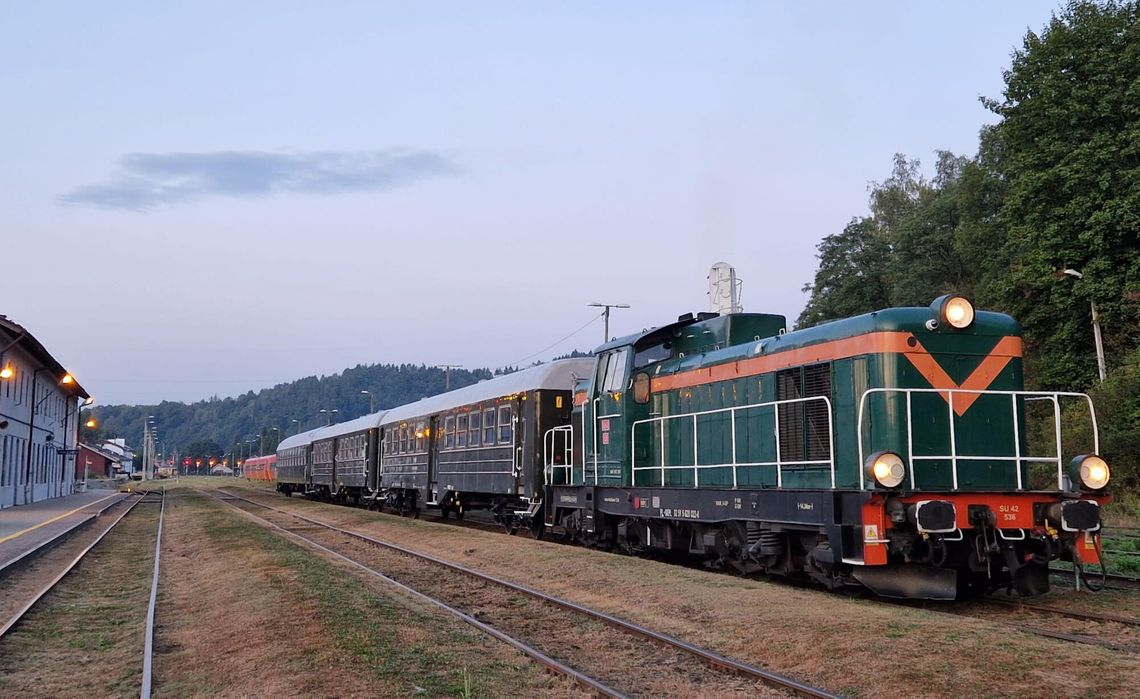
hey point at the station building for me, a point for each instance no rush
(39, 420)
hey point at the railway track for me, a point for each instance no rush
(44, 567)
(58, 537)
(26, 566)
(507, 610)
(1111, 581)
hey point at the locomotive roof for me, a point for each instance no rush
(986, 324)
(555, 375)
(364, 422)
(300, 439)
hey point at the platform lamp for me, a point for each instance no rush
(371, 401)
(1067, 272)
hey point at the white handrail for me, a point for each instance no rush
(548, 452)
(954, 457)
(697, 467)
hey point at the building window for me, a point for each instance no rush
(505, 427)
(461, 430)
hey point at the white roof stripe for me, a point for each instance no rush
(555, 375)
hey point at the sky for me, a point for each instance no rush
(208, 198)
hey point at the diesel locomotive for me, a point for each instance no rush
(896, 450)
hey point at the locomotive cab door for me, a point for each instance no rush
(607, 443)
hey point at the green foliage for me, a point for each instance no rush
(1068, 150)
(914, 247)
(1117, 402)
(217, 426)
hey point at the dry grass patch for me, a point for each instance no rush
(858, 647)
(247, 613)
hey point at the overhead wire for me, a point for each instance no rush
(558, 342)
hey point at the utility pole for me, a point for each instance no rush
(606, 315)
(447, 373)
(1095, 323)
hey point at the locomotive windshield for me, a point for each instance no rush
(652, 354)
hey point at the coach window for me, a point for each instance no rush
(403, 439)
(461, 430)
(489, 426)
(505, 424)
(420, 435)
(476, 427)
(449, 432)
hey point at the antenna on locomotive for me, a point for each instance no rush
(724, 289)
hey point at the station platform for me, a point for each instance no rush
(24, 527)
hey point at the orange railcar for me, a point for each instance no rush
(260, 468)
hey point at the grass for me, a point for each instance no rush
(407, 648)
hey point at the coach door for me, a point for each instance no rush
(607, 445)
(434, 439)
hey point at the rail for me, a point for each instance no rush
(779, 463)
(954, 457)
(148, 648)
(711, 658)
(67, 569)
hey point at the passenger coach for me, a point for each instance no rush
(478, 446)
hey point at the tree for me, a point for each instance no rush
(1068, 150)
(852, 275)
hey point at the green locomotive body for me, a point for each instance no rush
(728, 436)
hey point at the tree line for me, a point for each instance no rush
(1054, 186)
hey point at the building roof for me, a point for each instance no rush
(555, 375)
(25, 340)
(101, 452)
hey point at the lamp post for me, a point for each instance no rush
(1096, 326)
(298, 426)
(371, 401)
(606, 315)
(328, 415)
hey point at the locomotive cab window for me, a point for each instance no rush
(611, 371)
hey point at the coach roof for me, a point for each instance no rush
(360, 424)
(559, 375)
(301, 439)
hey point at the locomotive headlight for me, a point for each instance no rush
(886, 468)
(1091, 470)
(956, 311)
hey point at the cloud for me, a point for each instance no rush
(151, 180)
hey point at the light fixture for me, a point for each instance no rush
(886, 468)
(91, 424)
(7, 373)
(1091, 470)
(67, 380)
(955, 311)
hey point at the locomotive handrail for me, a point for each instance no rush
(954, 457)
(549, 449)
(696, 467)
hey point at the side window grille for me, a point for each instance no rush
(803, 426)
